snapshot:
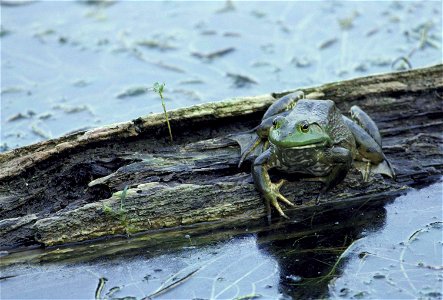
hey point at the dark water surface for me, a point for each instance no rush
(378, 253)
(70, 65)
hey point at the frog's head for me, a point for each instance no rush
(299, 133)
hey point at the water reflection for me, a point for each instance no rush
(295, 259)
(366, 252)
(308, 261)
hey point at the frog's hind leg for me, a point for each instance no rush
(366, 123)
(336, 176)
(342, 159)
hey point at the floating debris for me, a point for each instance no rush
(283, 26)
(112, 291)
(12, 90)
(372, 32)
(100, 3)
(380, 61)
(177, 282)
(7, 277)
(132, 92)
(188, 93)
(4, 32)
(41, 35)
(4, 147)
(229, 7)
(268, 48)
(301, 62)
(401, 63)
(378, 276)
(81, 83)
(232, 34)
(73, 109)
(40, 132)
(192, 81)
(294, 278)
(248, 297)
(241, 81)
(258, 14)
(12, 3)
(348, 22)
(62, 40)
(45, 116)
(361, 67)
(212, 55)
(394, 19)
(100, 286)
(17, 117)
(208, 32)
(157, 44)
(168, 67)
(328, 43)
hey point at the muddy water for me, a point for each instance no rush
(72, 65)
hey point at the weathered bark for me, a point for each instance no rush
(70, 189)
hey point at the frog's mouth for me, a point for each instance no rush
(318, 144)
(313, 144)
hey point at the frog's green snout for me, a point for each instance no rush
(299, 135)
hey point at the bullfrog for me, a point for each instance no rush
(311, 137)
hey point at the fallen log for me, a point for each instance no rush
(127, 177)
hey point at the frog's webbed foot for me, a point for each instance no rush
(272, 196)
(269, 190)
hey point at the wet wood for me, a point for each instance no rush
(70, 189)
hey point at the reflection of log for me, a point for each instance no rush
(67, 189)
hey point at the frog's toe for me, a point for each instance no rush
(285, 200)
(279, 184)
(278, 208)
(272, 199)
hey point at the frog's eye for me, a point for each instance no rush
(304, 126)
(276, 123)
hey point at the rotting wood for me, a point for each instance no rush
(69, 189)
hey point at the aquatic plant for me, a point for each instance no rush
(159, 88)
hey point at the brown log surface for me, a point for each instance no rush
(69, 189)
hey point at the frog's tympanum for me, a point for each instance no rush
(312, 137)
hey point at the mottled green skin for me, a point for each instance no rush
(308, 151)
(309, 137)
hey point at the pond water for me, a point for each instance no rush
(379, 253)
(78, 64)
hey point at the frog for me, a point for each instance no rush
(311, 137)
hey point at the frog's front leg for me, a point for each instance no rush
(270, 191)
(341, 158)
(285, 103)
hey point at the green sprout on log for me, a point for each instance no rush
(121, 214)
(158, 88)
